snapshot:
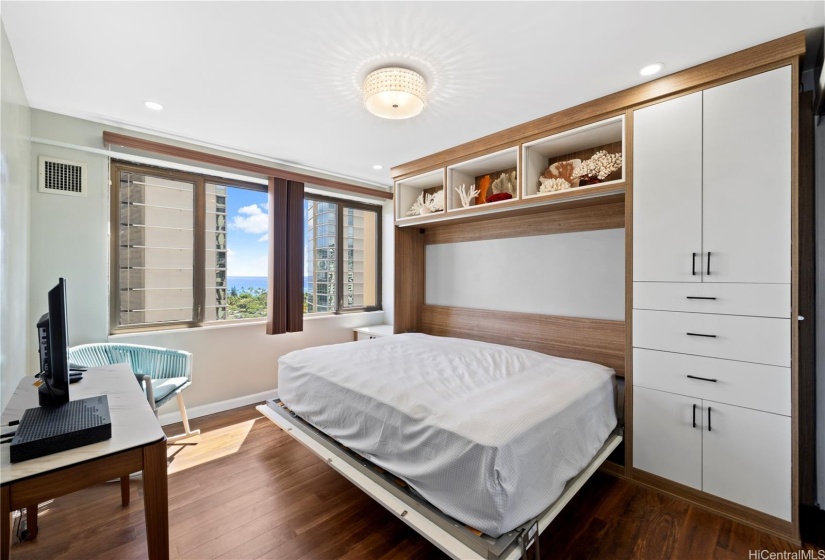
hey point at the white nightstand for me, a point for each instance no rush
(375, 331)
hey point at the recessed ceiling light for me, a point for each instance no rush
(377, 167)
(153, 105)
(651, 69)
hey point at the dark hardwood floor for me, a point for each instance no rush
(247, 490)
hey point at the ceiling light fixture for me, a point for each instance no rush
(651, 69)
(395, 93)
(153, 105)
(377, 167)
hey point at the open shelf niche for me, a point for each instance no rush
(482, 173)
(408, 190)
(579, 143)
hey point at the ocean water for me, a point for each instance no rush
(246, 282)
(243, 283)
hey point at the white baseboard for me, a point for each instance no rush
(213, 408)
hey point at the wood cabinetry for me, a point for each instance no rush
(712, 187)
(712, 301)
(523, 163)
(712, 184)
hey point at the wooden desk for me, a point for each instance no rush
(137, 444)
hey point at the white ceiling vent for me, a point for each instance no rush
(58, 176)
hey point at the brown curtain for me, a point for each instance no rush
(286, 258)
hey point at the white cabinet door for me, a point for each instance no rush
(667, 190)
(747, 458)
(747, 179)
(665, 441)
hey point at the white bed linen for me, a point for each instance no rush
(489, 434)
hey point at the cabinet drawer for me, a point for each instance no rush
(366, 336)
(760, 300)
(744, 384)
(748, 339)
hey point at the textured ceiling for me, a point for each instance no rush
(282, 79)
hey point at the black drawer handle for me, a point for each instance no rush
(693, 265)
(700, 297)
(709, 419)
(702, 335)
(708, 263)
(702, 378)
(694, 416)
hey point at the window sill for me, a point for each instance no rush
(240, 324)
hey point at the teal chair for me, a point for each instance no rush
(162, 373)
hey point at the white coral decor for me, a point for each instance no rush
(466, 195)
(436, 203)
(553, 185)
(600, 165)
(427, 204)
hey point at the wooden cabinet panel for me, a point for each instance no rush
(747, 457)
(746, 195)
(665, 443)
(667, 190)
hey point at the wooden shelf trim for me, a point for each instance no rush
(115, 139)
(740, 62)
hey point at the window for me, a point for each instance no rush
(342, 256)
(187, 249)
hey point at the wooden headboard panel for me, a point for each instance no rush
(592, 340)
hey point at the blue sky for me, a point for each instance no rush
(247, 219)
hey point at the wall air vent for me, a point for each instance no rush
(58, 176)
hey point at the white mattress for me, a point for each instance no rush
(489, 434)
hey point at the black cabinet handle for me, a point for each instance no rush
(694, 416)
(709, 419)
(702, 335)
(702, 378)
(700, 297)
(693, 265)
(708, 263)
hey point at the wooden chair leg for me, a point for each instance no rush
(186, 431)
(124, 490)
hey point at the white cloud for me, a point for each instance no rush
(264, 237)
(251, 219)
(245, 264)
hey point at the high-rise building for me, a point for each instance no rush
(319, 254)
(358, 260)
(157, 250)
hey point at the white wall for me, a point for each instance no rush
(69, 237)
(820, 308)
(15, 188)
(578, 274)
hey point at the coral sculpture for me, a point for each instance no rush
(427, 204)
(466, 195)
(437, 201)
(553, 185)
(598, 167)
(498, 197)
(483, 187)
(506, 183)
(563, 170)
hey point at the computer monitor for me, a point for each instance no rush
(53, 338)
